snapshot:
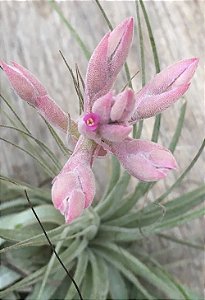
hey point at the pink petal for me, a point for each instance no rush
(87, 182)
(114, 133)
(27, 86)
(96, 76)
(140, 167)
(145, 160)
(21, 85)
(189, 66)
(52, 112)
(62, 187)
(162, 158)
(165, 88)
(118, 45)
(75, 206)
(35, 82)
(123, 106)
(177, 74)
(106, 62)
(73, 189)
(102, 107)
(152, 105)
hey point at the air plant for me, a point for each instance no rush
(107, 119)
(93, 244)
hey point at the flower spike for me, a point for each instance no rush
(106, 62)
(73, 189)
(144, 160)
(29, 88)
(164, 89)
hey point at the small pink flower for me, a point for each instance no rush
(112, 124)
(92, 121)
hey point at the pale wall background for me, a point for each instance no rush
(32, 33)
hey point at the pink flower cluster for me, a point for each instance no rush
(107, 120)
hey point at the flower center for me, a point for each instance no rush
(92, 121)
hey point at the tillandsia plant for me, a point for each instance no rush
(98, 242)
(107, 119)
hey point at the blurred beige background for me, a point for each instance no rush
(32, 34)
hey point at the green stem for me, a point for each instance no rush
(151, 37)
(45, 168)
(41, 144)
(70, 27)
(15, 114)
(114, 177)
(111, 28)
(141, 43)
(155, 133)
(178, 129)
(179, 241)
(104, 15)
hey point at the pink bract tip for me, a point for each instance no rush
(73, 188)
(164, 89)
(144, 160)
(30, 89)
(107, 61)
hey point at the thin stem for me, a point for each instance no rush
(151, 37)
(76, 84)
(15, 114)
(49, 171)
(141, 43)
(179, 241)
(179, 127)
(70, 27)
(137, 129)
(41, 144)
(127, 84)
(155, 133)
(104, 15)
(57, 139)
(111, 28)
